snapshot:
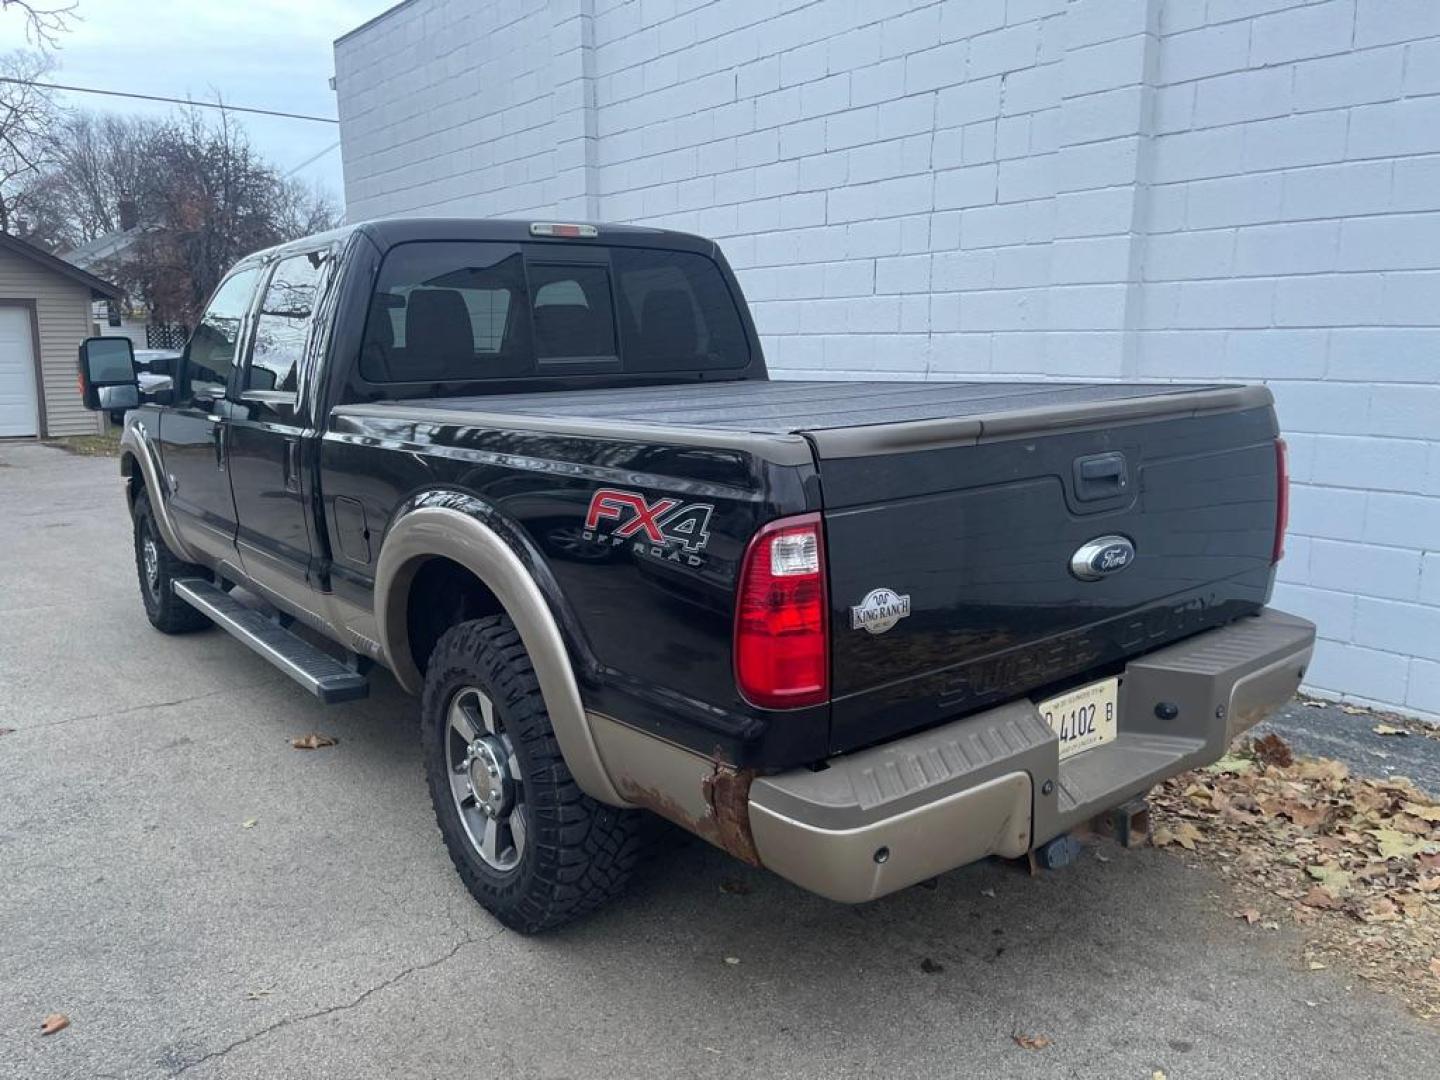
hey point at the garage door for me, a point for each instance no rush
(18, 415)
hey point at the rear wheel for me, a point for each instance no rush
(533, 848)
(157, 567)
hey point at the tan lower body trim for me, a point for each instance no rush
(855, 865)
(135, 441)
(431, 531)
(1256, 696)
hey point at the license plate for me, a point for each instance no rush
(1083, 718)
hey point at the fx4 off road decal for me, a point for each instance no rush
(666, 528)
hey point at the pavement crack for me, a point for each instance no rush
(346, 1006)
(111, 714)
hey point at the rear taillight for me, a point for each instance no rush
(1282, 500)
(782, 654)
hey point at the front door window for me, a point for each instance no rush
(211, 355)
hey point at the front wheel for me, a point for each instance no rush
(531, 847)
(158, 567)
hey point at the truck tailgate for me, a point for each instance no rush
(974, 521)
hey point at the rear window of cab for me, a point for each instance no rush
(460, 311)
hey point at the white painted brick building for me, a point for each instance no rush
(1192, 189)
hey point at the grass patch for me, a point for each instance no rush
(106, 445)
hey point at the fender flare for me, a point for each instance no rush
(430, 531)
(137, 450)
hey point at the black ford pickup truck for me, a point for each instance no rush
(857, 633)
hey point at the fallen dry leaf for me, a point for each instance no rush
(313, 741)
(1232, 763)
(1031, 1042)
(53, 1023)
(1395, 844)
(1158, 1075)
(1322, 769)
(1413, 904)
(249, 823)
(931, 967)
(1355, 859)
(1381, 909)
(1186, 835)
(1307, 817)
(1319, 898)
(732, 960)
(1334, 881)
(1389, 729)
(1272, 750)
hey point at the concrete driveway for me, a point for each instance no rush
(331, 938)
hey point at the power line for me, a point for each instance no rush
(171, 100)
(311, 159)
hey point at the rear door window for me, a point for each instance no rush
(283, 324)
(678, 312)
(448, 312)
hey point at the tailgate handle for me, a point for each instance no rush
(1101, 476)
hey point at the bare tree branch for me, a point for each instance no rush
(44, 22)
(27, 118)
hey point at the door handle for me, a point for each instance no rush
(292, 464)
(217, 433)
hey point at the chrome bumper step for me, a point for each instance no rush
(313, 668)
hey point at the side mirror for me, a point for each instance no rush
(107, 374)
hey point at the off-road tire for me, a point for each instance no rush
(166, 611)
(579, 853)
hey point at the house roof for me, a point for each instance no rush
(108, 246)
(99, 289)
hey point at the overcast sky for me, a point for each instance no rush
(272, 54)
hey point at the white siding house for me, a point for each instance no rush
(1154, 189)
(44, 316)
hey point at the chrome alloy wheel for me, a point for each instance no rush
(150, 554)
(485, 779)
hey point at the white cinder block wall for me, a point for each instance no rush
(1155, 189)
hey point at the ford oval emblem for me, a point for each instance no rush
(1101, 557)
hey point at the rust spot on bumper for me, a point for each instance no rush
(725, 821)
(727, 790)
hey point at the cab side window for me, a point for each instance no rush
(283, 325)
(211, 354)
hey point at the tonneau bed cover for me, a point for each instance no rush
(841, 419)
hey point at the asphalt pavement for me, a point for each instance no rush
(1327, 729)
(202, 900)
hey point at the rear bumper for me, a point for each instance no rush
(992, 784)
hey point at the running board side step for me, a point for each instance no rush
(316, 670)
